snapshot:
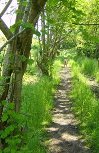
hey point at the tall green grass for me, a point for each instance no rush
(36, 106)
(97, 76)
(26, 130)
(37, 102)
(89, 67)
(55, 71)
(86, 108)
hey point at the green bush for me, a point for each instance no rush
(10, 134)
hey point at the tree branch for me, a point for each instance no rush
(11, 39)
(4, 28)
(5, 8)
(8, 33)
(86, 24)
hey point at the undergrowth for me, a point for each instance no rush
(86, 108)
(88, 66)
(25, 132)
(36, 107)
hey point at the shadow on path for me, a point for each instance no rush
(63, 132)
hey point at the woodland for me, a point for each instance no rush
(32, 53)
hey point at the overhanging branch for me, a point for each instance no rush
(87, 24)
(11, 39)
(5, 8)
(4, 28)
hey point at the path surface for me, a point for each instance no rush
(64, 135)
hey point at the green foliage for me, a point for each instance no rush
(37, 102)
(36, 105)
(25, 132)
(86, 108)
(55, 71)
(25, 26)
(97, 76)
(32, 70)
(60, 32)
(89, 66)
(11, 131)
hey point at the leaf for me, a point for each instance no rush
(37, 33)
(4, 117)
(23, 58)
(30, 61)
(7, 150)
(7, 131)
(27, 25)
(24, 3)
(13, 150)
(17, 24)
(4, 103)
(11, 106)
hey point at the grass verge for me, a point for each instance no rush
(86, 108)
(89, 67)
(25, 131)
(37, 102)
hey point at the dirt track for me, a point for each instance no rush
(64, 135)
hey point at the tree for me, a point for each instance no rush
(88, 28)
(55, 28)
(17, 54)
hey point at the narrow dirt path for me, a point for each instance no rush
(64, 135)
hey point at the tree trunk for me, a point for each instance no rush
(14, 68)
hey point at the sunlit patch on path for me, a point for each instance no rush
(64, 135)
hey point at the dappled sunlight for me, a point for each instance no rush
(29, 79)
(64, 134)
(49, 76)
(53, 129)
(68, 137)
